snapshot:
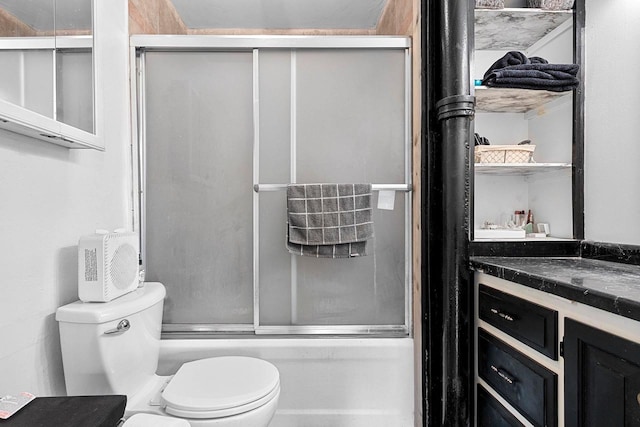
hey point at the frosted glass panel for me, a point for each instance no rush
(357, 291)
(275, 261)
(26, 79)
(351, 115)
(199, 126)
(11, 76)
(366, 291)
(75, 88)
(275, 115)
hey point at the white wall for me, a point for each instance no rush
(49, 197)
(612, 127)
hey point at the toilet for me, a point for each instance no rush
(113, 348)
(149, 420)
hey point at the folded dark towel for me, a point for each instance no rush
(556, 70)
(514, 58)
(515, 70)
(553, 77)
(480, 140)
(329, 220)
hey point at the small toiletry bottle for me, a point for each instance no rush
(519, 218)
(528, 227)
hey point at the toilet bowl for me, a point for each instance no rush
(230, 391)
(148, 420)
(113, 348)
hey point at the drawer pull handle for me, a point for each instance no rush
(503, 315)
(503, 375)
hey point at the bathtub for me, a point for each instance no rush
(337, 382)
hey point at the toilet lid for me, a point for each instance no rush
(225, 384)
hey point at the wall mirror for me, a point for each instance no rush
(74, 64)
(48, 78)
(26, 53)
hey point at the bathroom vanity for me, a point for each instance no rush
(557, 320)
(554, 330)
(557, 340)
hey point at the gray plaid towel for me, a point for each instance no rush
(329, 220)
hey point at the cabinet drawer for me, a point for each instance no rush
(526, 385)
(530, 323)
(492, 414)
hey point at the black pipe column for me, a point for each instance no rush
(448, 110)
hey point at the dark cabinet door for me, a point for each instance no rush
(602, 378)
(491, 413)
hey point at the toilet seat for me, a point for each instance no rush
(220, 387)
(221, 413)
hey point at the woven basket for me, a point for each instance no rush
(551, 4)
(504, 153)
(490, 4)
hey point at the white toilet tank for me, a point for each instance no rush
(99, 358)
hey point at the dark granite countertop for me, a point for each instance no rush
(607, 285)
(70, 411)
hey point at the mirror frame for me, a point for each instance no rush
(18, 119)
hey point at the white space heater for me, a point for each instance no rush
(107, 265)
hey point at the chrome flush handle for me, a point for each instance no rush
(123, 326)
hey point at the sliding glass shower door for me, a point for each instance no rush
(224, 132)
(198, 156)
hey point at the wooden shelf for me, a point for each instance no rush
(515, 28)
(519, 169)
(507, 100)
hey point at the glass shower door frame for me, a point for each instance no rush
(141, 44)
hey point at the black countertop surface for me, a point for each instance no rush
(607, 285)
(72, 411)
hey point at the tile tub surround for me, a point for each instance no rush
(610, 286)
